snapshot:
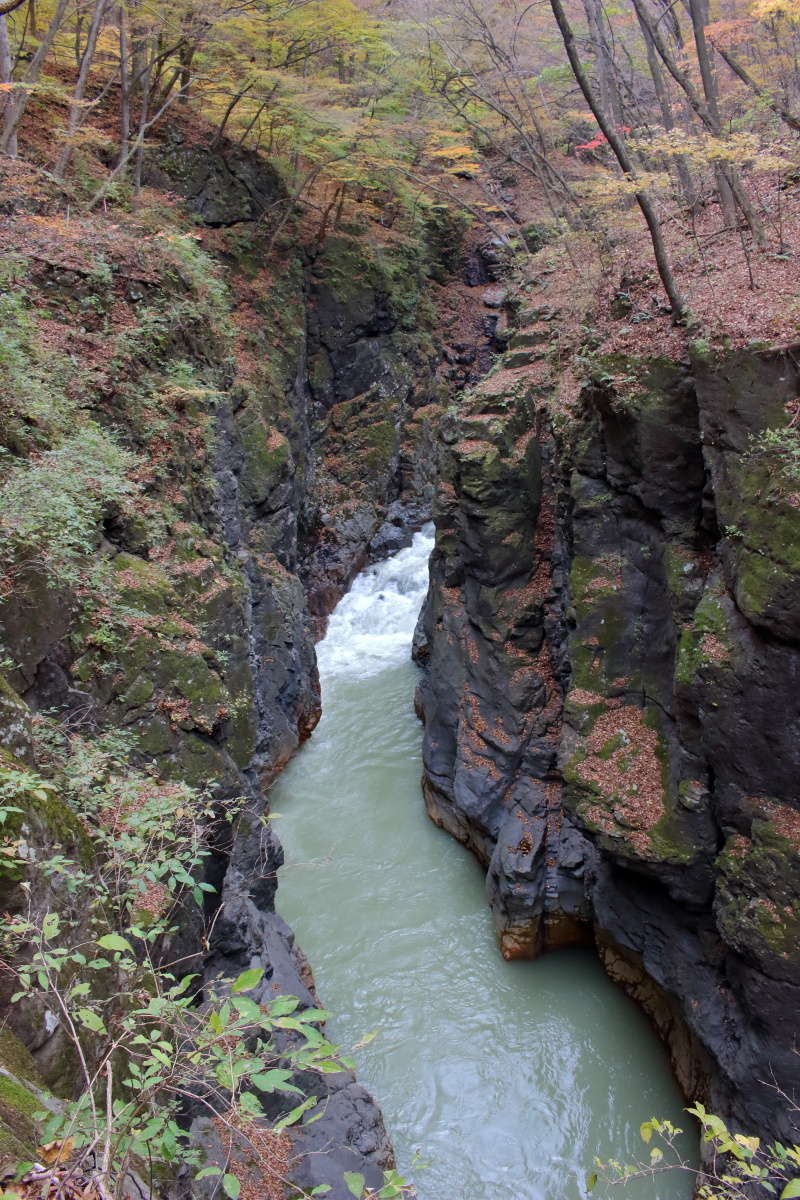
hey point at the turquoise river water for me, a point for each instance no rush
(503, 1080)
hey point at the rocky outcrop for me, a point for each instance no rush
(224, 184)
(371, 370)
(610, 715)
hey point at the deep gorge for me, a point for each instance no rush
(609, 631)
(497, 1080)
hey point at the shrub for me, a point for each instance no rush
(51, 507)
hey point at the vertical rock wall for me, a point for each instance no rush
(609, 695)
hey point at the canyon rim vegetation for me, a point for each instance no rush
(281, 280)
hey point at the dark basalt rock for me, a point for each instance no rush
(610, 642)
(222, 183)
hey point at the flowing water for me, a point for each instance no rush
(505, 1078)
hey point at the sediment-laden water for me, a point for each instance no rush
(506, 1079)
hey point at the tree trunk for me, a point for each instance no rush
(124, 87)
(698, 11)
(687, 189)
(227, 114)
(76, 107)
(6, 72)
(137, 170)
(677, 303)
(610, 98)
(18, 102)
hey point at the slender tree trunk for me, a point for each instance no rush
(698, 11)
(137, 169)
(77, 40)
(19, 100)
(610, 98)
(124, 86)
(677, 303)
(6, 75)
(252, 122)
(76, 107)
(687, 189)
(139, 49)
(228, 111)
(186, 58)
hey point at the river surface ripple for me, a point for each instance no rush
(506, 1079)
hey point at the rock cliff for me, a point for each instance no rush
(611, 648)
(206, 437)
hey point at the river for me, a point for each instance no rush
(498, 1081)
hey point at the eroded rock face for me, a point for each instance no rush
(371, 371)
(610, 650)
(283, 424)
(222, 183)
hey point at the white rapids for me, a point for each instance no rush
(372, 626)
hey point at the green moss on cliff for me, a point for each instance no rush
(707, 642)
(757, 905)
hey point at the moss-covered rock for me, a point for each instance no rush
(757, 904)
(22, 1094)
(706, 643)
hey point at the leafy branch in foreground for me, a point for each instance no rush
(153, 1048)
(738, 1167)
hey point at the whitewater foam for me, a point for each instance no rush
(373, 625)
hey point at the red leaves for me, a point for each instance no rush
(600, 139)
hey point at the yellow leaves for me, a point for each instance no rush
(747, 1143)
(730, 33)
(765, 10)
(699, 150)
(108, 41)
(609, 191)
(766, 162)
(453, 152)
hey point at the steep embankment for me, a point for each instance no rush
(205, 437)
(611, 649)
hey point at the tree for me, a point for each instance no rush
(17, 104)
(676, 301)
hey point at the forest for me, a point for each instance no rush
(671, 122)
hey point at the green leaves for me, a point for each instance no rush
(113, 941)
(274, 1081)
(294, 1116)
(247, 980)
(791, 1190)
(50, 926)
(91, 1020)
(355, 1183)
(164, 1044)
